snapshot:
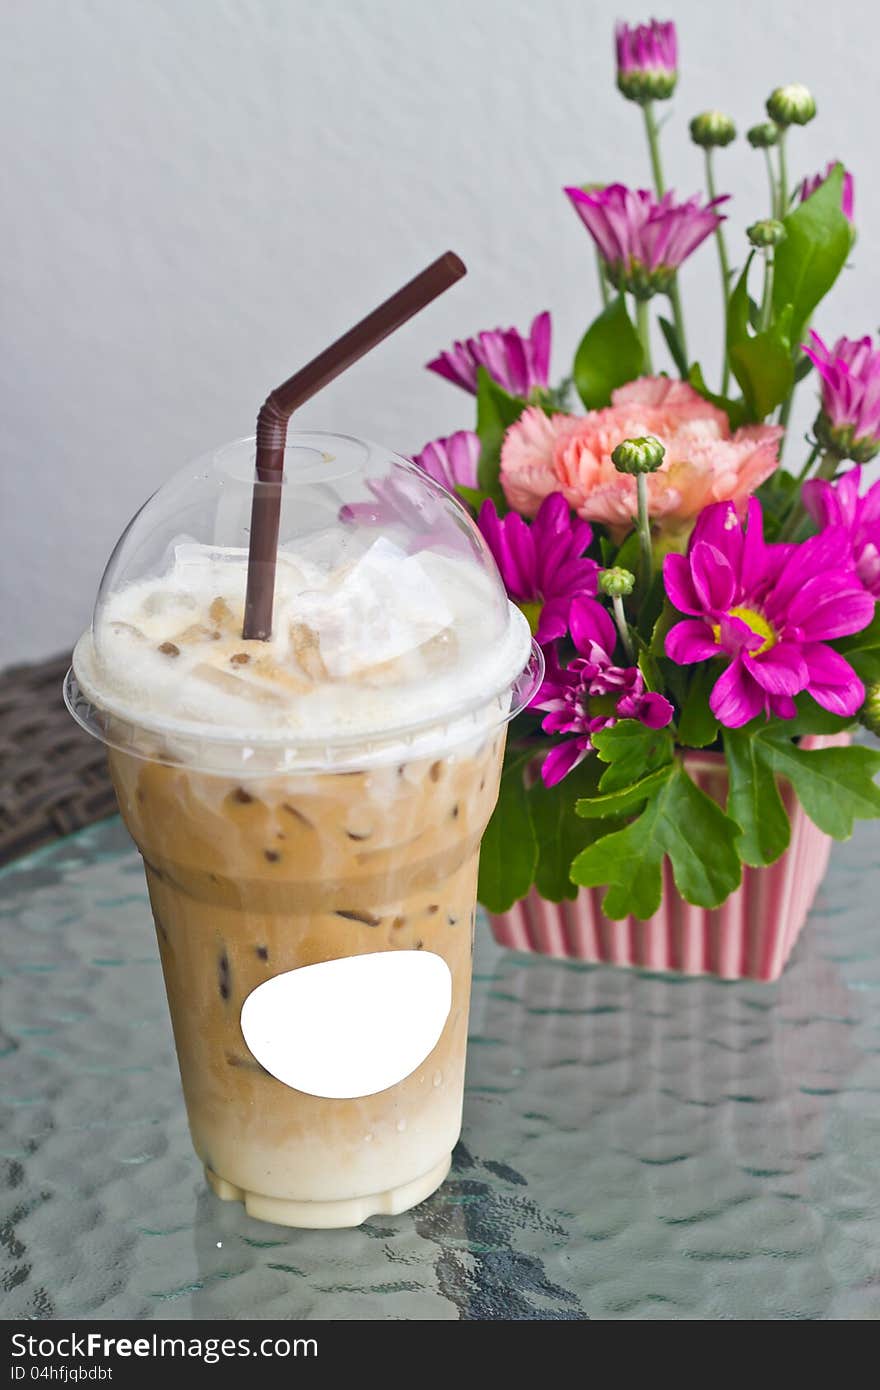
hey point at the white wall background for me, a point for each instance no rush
(199, 194)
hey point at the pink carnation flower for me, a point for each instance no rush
(704, 461)
(527, 475)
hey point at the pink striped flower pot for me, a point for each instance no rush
(750, 937)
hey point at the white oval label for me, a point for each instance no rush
(351, 1027)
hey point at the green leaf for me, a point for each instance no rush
(865, 641)
(698, 727)
(681, 822)
(776, 497)
(630, 863)
(676, 348)
(625, 799)
(607, 551)
(754, 801)
(669, 616)
(560, 832)
(762, 363)
(496, 412)
(632, 750)
(813, 719)
(803, 367)
(813, 254)
(509, 853)
(734, 410)
(471, 495)
(738, 307)
(609, 354)
(862, 650)
(763, 369)
(835, 786)
(866, 666)
(649, 669)
(763, 366)
(651, 603)
(628, 553)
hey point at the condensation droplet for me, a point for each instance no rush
(438, 1078)
(368, 1138)
(401, 1126)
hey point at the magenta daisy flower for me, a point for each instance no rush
(521, 365)
(543, 564)
(400, 497)
(452, 461)
(839, 504)
(849, 421)
(647, 60)
(642, 239)
(591, 692)
(770, 611)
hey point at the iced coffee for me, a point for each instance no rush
(309, 810)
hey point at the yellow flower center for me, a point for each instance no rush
(604, 704)
(758, 624)
(532, 613)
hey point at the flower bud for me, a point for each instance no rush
(643, 455)
(768, 232)
(762, 136)
(870, 712)
(647, 61)
(617, 582)
(791, 105)
(842, 440)
(712, 128)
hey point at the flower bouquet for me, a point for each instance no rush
(707, 615)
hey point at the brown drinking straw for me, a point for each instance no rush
(284, 400)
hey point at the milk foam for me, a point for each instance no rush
(384, 645)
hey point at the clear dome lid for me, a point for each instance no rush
(391, 625)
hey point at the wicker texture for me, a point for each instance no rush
(53, 777)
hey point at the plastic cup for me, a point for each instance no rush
(309, 811)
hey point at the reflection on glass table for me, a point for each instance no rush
(633, 1147)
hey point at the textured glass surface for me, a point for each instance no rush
(634, 1147)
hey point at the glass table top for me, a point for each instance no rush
(634, 1146)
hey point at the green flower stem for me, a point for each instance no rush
(782, 190)
(622, 627)
(653, 134)
(725, 270)
(785, 408)
(767, 301)
(828, 466)
(644, 523)
(811, 459)
(774, 196)
(603, 283)
(784, 413)
(643, 323)
(795, 514)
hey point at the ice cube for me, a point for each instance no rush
(163, 602)
(127, 631)
(195, 634)
(231, 684)
(307, 651)
(385, 606)
(222, 616)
